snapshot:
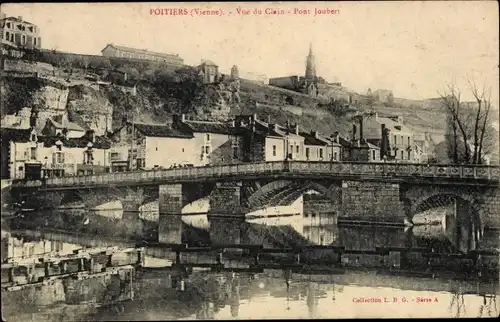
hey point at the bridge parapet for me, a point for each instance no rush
(260, 169)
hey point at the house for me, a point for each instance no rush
(112, 50)
(18, 33)
(57, 155)
(395, 140)
(269, 142)
(363, 151)
(383, 95)
(208, 71)
(58, 125)
(150, 146)
(214, 142)
(320, 148)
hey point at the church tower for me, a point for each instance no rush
(310, 66)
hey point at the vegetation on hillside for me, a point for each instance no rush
(18, 93)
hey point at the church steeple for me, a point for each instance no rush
(310, 65)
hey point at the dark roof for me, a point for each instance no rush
(157, 130)
(310, 139)
(100, 142)
(142, 51)
(345, 143)
(23, 135)
(16, 135)
(210, 127)
(262, 128)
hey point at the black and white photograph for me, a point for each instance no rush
(249, 160)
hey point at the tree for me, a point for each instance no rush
(468, 133)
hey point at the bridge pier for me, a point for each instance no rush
(226, 215)
(372, 201)
(170, 208)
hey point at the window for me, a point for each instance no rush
(12, 37)
(402, 139)
(307, 153)
(7, 34)
(8, 24)
(59, 147)
(408, 141)
(141, 163)
(321, 153)
(88, 157)
(409, 155)
(297, 149)
(395, 140)
(335, 156)
(33, 153)
(402, 155)
(235, 152)
(207, 137)
(207, 149)
(156, 148)
(58, 157)
(373, 155)
(33, 137)
(274, 150)
(291, 148)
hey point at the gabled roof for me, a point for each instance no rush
(69, 125)
(210, 127)
(16, 20)
(100, 142)
(141, 51)
(23, 136)
(158, 130)
(208, 63)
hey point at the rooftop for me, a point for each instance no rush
(23, 136)
(210, 127)
(16, 19)
(141, 51)
(160, 130)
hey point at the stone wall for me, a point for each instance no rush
(371, 201)
(491, 208)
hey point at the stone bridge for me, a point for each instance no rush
(371, 192)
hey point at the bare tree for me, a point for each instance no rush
(468, 124)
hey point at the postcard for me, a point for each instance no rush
(249, 160)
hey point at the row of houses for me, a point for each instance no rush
(63, 148)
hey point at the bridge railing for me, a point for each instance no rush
(295, 167)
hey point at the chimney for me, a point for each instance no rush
(354, 132)
(314, 133)
(336, 137)
(91, 135)
(183, 118)
(20, 18)
(361, 127)
(296, 129)
(233, 123)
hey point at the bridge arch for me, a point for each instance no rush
(468, 205)
(284, 192)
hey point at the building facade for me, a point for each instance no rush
(18, 33)
(389, 134)
(209, 72)
(321, 148)
(56, 155)
(112, 50)
(308, 84)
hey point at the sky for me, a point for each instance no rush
(412, 48)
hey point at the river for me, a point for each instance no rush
(363, 290)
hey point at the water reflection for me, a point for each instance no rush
(279, 293)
